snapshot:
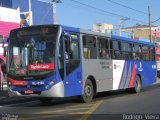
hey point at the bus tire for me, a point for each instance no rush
(138, 85)
(46, 100)
(88, 92)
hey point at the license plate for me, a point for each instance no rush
(28, 92)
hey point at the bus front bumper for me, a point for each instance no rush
(55, 91)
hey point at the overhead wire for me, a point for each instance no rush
(132, 9)
(107, 12)
(128, 7)
(156, 20)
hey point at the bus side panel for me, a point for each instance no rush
(73, 83)
(124, 73)
(101, 71)
(119, 74)
(127, 71)
(147, 71)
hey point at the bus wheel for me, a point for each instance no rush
(46, 100)
(88, 92)
(138, 86)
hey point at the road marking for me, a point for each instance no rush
(53, 114)
(40, 117)
(2, 97)
(87, 114)
(46, 116)
(56, 111)
(83, 105)
(77, 113)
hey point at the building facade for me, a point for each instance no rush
(102, 27)
(42, 13)
(6, 3)
(143, 32)
(8, 20)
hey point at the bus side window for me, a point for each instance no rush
(75, 50)
(126, 51)
(89, 47)
(103, 48)
(130, 51)
(116, 50)
(68, 53)
(152, 53)
(140, 52)
(136, 52)
(145, 53)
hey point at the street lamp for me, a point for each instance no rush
(54, 10)
(120, 24)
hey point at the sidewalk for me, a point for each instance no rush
(158, 80)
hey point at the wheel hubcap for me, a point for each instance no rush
(88, 91)
(138, 86)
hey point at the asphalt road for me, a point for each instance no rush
(108, 105)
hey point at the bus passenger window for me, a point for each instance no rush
(116, 50)
(145, 53)
(103, 48)
(89, 47)
(136, 52)
(75, 50)
(152, 54)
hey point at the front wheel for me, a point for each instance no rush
(88, 92)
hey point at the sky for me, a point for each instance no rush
(85, 13)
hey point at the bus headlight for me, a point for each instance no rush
(47, 86)
(9, 83)
(51, 83)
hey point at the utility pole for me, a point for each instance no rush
(155, 40)
(120, 24)
(54, 10)
(150, 26)
(30, 16)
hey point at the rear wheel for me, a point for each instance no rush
(46, 100)
(88, 92)
(138, 85)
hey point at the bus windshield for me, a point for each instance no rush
(31, 55)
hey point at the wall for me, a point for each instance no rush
(9, 19)
(41, 11)
(6, 3)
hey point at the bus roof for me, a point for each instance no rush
(132, 40)
(78, 30)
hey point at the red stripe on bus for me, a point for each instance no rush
(133, 76)
(17, 82)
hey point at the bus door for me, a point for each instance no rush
(72, 65)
